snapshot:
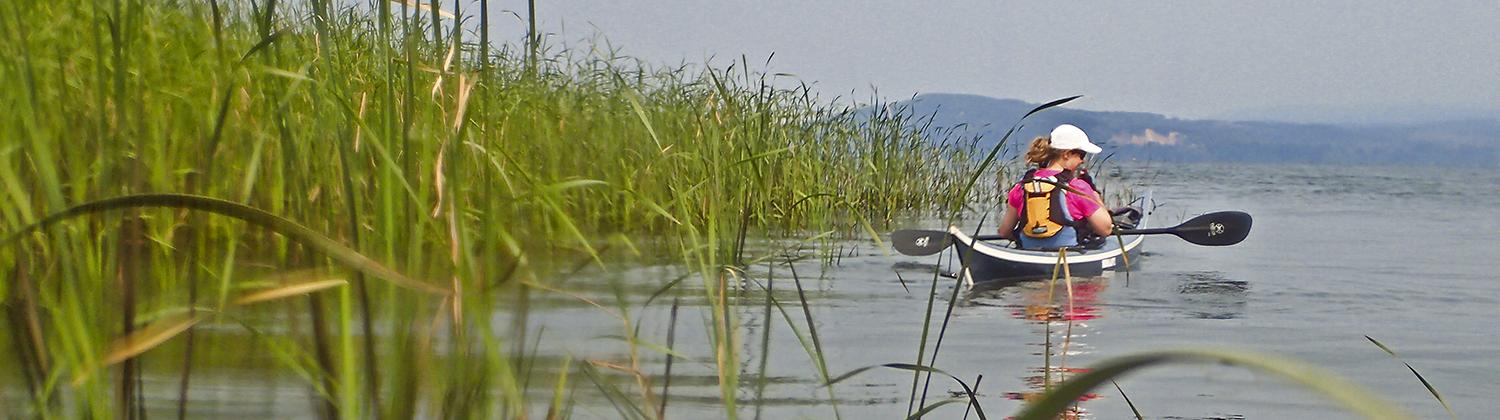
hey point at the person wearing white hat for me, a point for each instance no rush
(1055, 205)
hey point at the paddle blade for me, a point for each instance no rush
(1215, 229)
(920, 242)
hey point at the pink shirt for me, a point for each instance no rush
(1078, 206)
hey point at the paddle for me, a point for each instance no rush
(1213, 229)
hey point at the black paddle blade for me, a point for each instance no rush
(1215, 229)
(920, 242)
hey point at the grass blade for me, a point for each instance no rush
(142, 340)
(979, 411)
(1348, 395)
(290, 290)
(1430, 389)
(280, 225)
(559, 390)
(936, 405)
(1133, 410)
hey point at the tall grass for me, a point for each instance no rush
(381, 139)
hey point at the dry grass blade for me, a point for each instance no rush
(141, 341)
(614, 366)
(664, 350)
(290, 290)
(147, 338)
(581, 298)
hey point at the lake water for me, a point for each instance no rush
(1404, 255)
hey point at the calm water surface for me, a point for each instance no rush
(1405, 255)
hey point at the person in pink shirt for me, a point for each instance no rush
(1058, 158)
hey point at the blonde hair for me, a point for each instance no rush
(1042, 153)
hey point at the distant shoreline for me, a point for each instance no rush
(1154, 137)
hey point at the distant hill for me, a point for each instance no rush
(1145, 136)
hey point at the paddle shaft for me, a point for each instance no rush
(1213, 229)
(1152, 231)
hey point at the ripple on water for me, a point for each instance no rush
(1211, 295)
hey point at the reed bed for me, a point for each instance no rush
(357, 191)
(373, 199)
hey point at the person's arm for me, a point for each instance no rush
(1100, 222)
(1011, 216)
(1008, 222)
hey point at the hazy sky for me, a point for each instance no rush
(1309, 60)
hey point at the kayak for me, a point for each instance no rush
(987, 264)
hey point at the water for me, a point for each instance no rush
(1404, 255)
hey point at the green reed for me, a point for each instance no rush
(196, 157)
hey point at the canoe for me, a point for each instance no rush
(995, 264)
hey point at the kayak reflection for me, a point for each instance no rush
(1063, 326)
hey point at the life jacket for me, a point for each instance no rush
(1045, 222)
(1044, 210)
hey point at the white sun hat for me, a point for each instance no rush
(1068, 137)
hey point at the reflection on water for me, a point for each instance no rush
(1063, 324)
(1059, 312)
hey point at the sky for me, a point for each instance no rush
(1365, 61)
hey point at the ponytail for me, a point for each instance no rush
(1041, 152)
